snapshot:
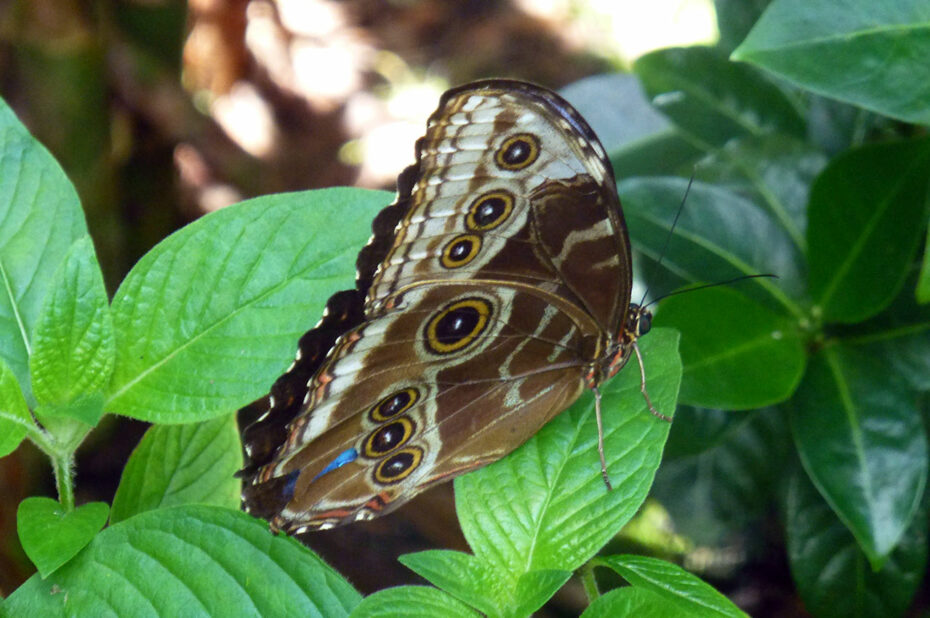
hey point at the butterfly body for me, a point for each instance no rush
(493, 291)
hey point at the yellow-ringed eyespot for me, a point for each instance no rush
(398, 466)
(461, 250)
(388, 437)
(517, 152)
(394, 404)
(457, 325)
(489, 210)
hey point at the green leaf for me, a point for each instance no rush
(901, 335)
(729, 486)
(922, 293)
(698, 430)
(412, 602)
(861, 440)
(14, 413)
(820, 46)
(81, 413)
(69, 423)
(184, 561)
(719, 236)
(868, 212)
(209, 317)
(616, 107)
(713, 100)
(831, 572)
(475, 583)
(73, 346)
(672, 582)
(735, 18)
(774, 171)
(736, 353)
(51, 536)
(535, 588)
(545, 506)
(638, 602)
(181, 464)
(461, 575)
(41, 217)
(661, 154)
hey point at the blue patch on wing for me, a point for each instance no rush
(342, 459)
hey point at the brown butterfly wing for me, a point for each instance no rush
(511, 205)
(459, 377)
(526, 160)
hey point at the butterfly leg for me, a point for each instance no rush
(600, 437)
(642, 386)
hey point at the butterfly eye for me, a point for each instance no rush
(397, 467)
(394, 404)
(489, 211)
(389, 437)
(645, 323)
(517, 152)
(461, 250)
(457, 325)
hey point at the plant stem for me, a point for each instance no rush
(62, 465)
(589, 582)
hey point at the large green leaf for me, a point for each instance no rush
(616, 107)
(736, 354)
(732, 484)
(713, 100)
(867, 215)
(661, 154)
(181, 464)
(901, 335)
(719, 235)
(869, 53)
(73, 347)
(774, 171)
(735, 19)
(188, 561)
(41, 217)
(831, 571)
(922, 292)
(545, 506)
(862, 442)
(14, 413)
(209, 317)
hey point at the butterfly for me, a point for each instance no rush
(493, 291)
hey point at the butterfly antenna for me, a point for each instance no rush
(671, 230)
(711, 285)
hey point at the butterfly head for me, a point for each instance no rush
(638, 322)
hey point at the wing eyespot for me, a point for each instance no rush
(457, 325)
(389, 437)
(398, 466)
(489, 211)
(517, 152)
(394, 404)
(461, 250)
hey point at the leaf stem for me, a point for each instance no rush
(62, 463)
(589, 582)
